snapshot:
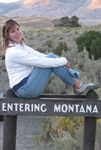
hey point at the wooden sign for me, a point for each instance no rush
(50, 107)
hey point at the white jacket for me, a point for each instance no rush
(21, 59)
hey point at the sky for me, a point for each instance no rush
(8, 1)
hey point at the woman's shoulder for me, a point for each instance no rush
(10, 47)
(13, 50)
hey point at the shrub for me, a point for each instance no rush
(81, 62)
(91, 40)
(55, 85)
(98, 135)
(40, 49)
(49, 43)
(64, 141)
(68, 124)
(61, 46)
(61, 37)
(79, 136)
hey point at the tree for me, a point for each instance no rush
(80, 43)
(60, 47)
(65, 21)
(49, 43)
(92, 41)
(74, 21)
(95, 48)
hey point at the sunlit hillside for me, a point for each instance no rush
(95, 4)
(87, 10)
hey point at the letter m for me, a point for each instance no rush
(57, 108)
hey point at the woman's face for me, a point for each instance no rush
(15, 34)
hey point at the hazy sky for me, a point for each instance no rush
(8, 1)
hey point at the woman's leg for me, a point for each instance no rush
(77, 84)
(36, 83)
(39, 78)
(63, 72)
(71, 77)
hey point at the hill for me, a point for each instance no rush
(87, 10)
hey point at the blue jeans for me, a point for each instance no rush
(39, 77)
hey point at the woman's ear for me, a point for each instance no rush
(6, 35)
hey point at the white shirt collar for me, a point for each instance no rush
(11, 43)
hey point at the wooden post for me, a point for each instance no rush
(9, 139)
(1, 116)
(90, 126)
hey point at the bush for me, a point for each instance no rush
(55, 85)
(40, 49)
(61, 37)
(65, 141)
(61, 46)
(69, 124)
(98, 135)
(92, 42)
(49, 43)
(81, 62)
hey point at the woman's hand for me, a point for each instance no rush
(68, 64)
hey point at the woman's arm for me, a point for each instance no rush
(34, 52)
(16, 55)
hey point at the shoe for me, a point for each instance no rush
(86, 86)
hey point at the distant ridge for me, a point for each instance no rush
(86, 10)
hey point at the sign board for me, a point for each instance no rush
(50, 107)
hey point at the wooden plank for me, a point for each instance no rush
(50, 107)
(50, 95)
(61, 96)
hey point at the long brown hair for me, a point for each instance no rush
(5, 31)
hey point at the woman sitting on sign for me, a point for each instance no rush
(27, 81)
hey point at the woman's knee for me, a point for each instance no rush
(51, 55)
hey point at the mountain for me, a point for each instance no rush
(86, 10)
